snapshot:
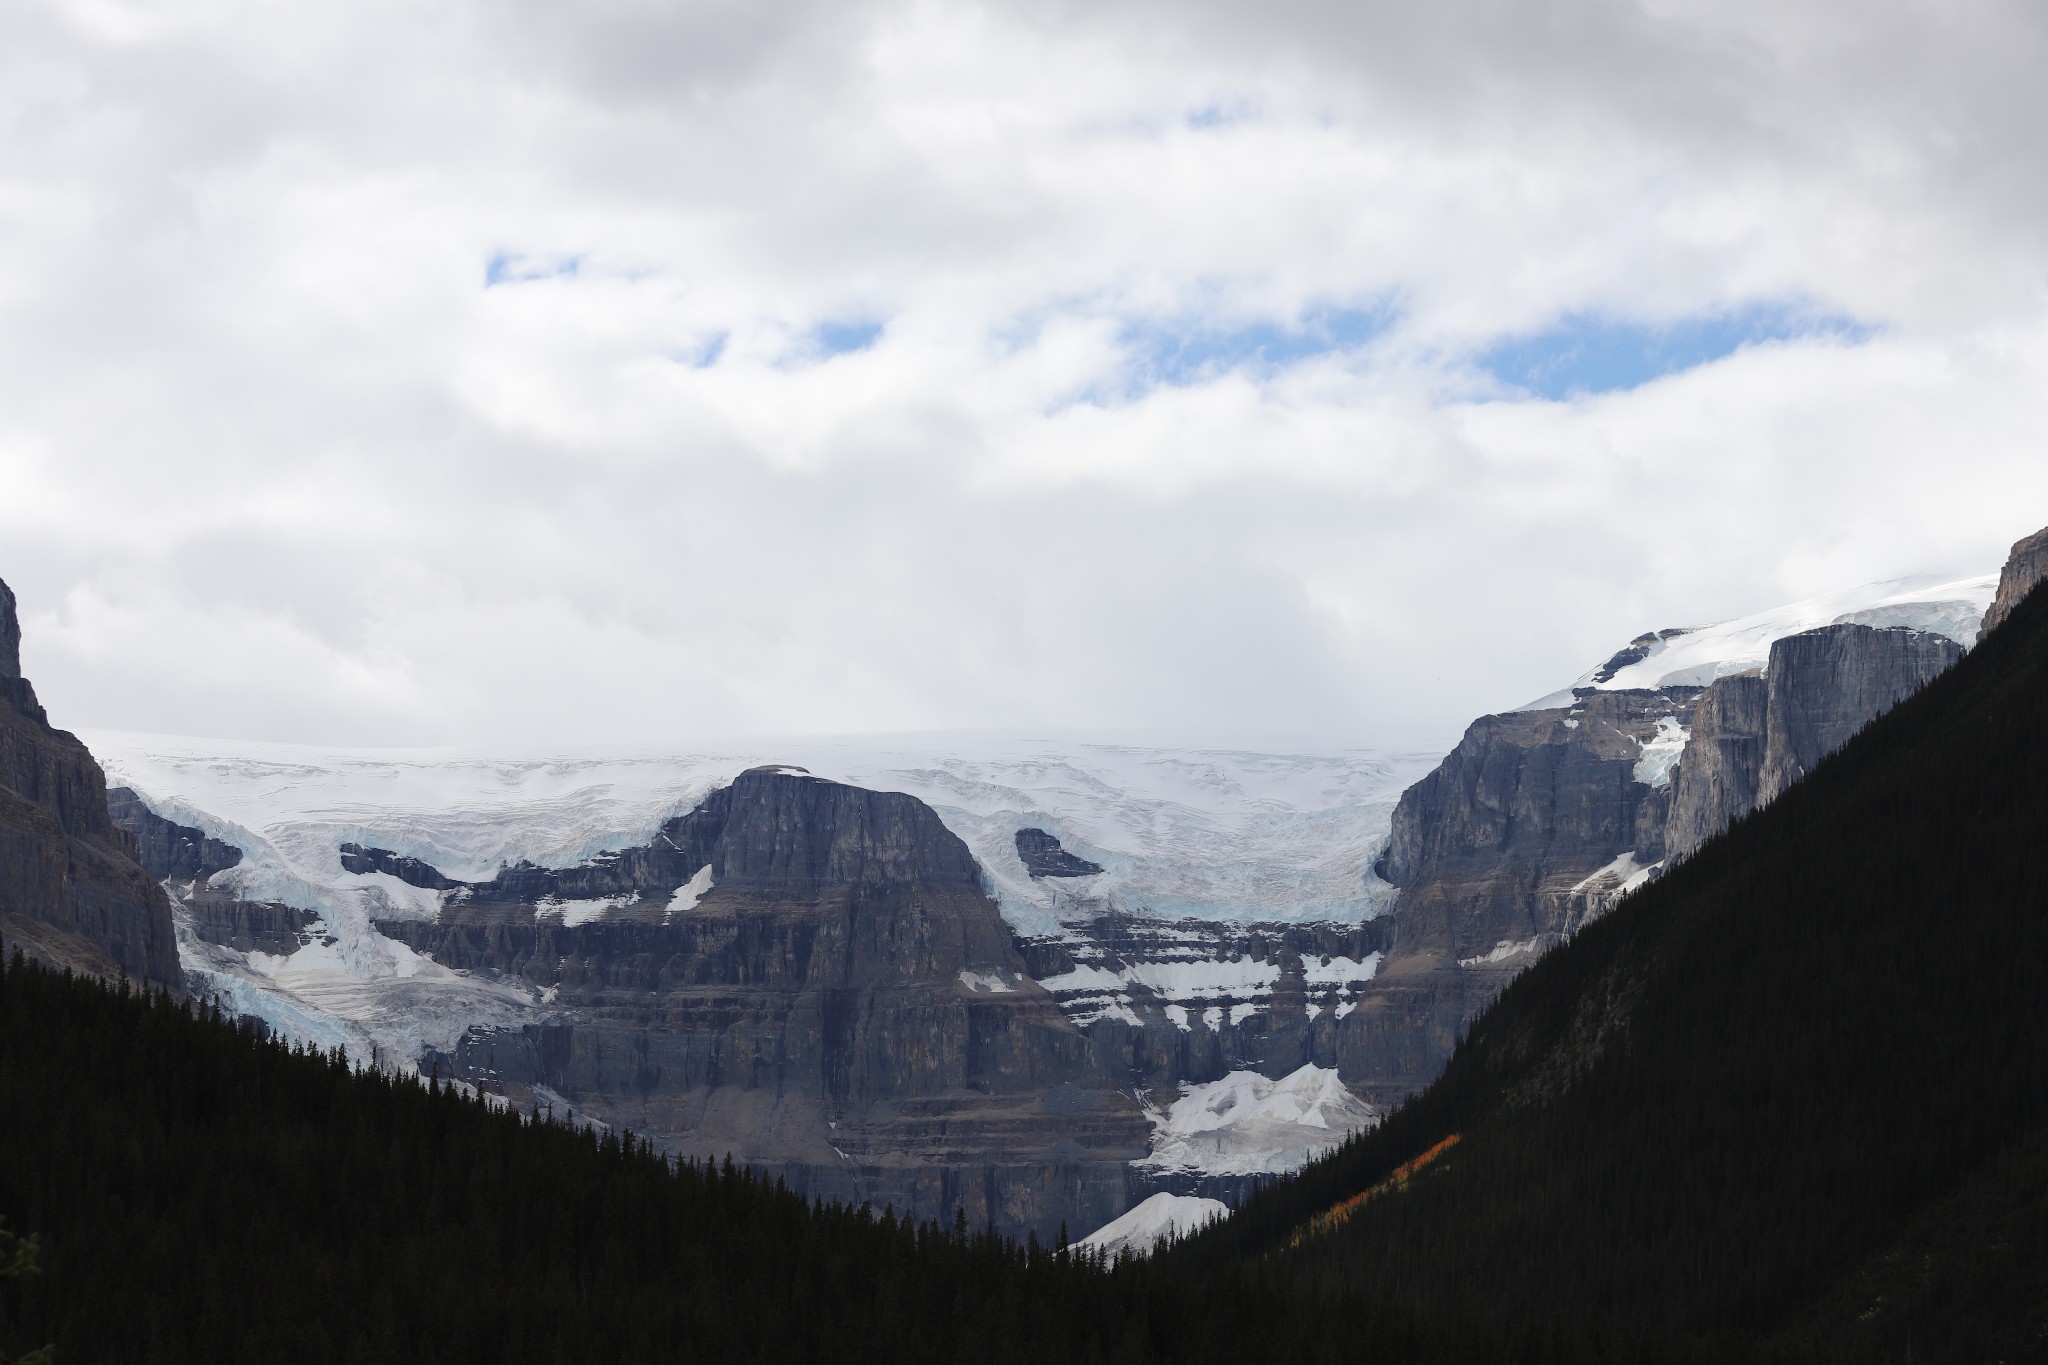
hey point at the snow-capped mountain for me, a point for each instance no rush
(1694, 656)
(1191, 845)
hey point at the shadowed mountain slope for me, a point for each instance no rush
(1792, 1097)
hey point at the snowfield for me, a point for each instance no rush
(1213, 835)
(1245, 1124)
(1698, 655)
(1152, 1222)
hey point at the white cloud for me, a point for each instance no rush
(278, 459)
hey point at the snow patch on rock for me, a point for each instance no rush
(1661, 751)
(1245, 1124)
(689, 893)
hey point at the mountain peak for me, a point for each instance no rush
(10, 635)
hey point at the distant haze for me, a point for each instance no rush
(535, 375)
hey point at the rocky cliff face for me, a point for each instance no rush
(1529, 827)
(169, 850)
(71, 889)
(1825, 685)
(2025, 567)
(1504, 842)
(808, 976)
(1715, 782)
(1540, 819)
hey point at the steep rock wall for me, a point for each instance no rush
(71, 889)
(1715, 782)
(1825, 685)
(2025, 567)
(1497, 844)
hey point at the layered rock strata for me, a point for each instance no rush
(810, 977)
(71, 889)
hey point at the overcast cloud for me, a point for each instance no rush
(538, 374)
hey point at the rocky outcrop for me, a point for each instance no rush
(1825, 685)
(1530, 826)
(413, 872)
(1043, 856)
(1539, 820)
(10, 636)
(1496, 846)
(249, 926)
(2025, 567)
(1715, 782)
(171, 851)
(71, 888)
(809, 976)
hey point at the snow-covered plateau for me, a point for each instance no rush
(1695, 656)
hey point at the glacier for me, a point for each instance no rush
(1208, 834)
(1216, 835)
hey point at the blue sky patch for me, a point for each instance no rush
(512, 267)
(840, 338)
(1183, 353)
(1587, 354)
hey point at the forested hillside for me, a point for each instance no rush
(1793, 1097)
(200, 1193)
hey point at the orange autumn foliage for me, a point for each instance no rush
(1334, 1217)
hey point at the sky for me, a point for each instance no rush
(520, 375)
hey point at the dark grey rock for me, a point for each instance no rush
(1825, 685)
(2025, 567)
(1156, 1051)
(171, 851)
(1715, 782)
(1490, 845)
(1499, 853)
(249, 926)
(413, 872)
(1043, 856)
(10, 636)
(1635, 652)
(71, 888)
